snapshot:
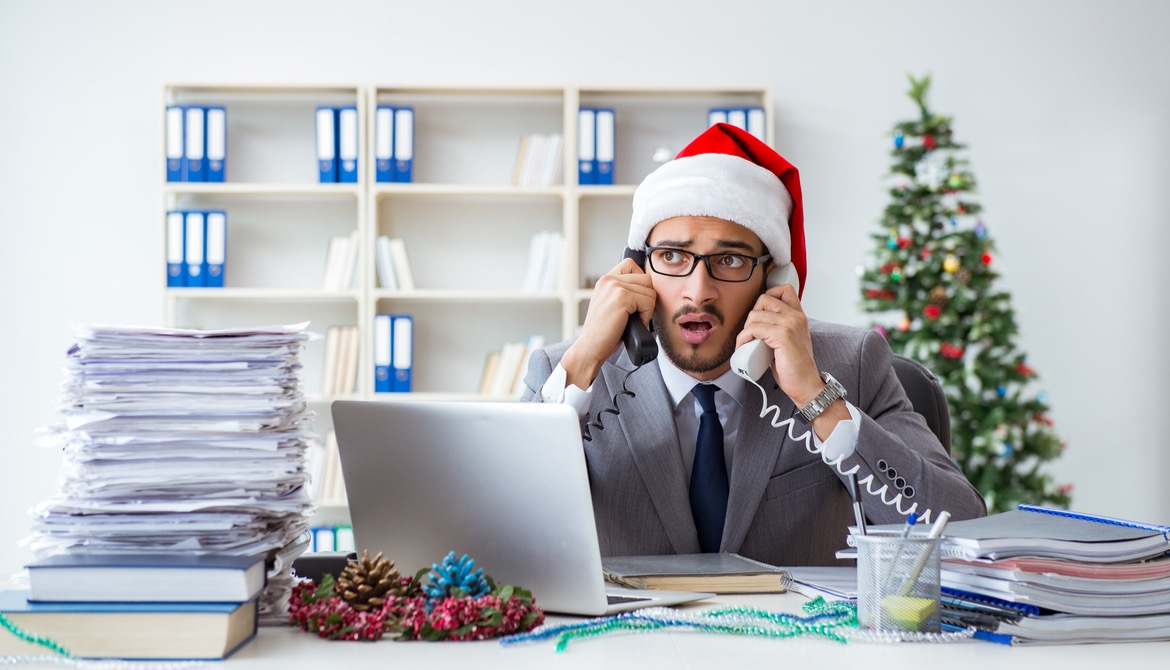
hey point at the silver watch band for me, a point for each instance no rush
(828, 395)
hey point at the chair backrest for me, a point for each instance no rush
(926, 395)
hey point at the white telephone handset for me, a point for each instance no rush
(754, 359)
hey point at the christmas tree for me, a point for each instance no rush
(933, 283)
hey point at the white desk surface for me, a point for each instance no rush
(280, 648)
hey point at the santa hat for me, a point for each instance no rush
(728, 173)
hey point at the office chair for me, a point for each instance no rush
(926, 395)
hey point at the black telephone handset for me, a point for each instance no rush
(640, 344)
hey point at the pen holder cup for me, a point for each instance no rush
(898, 583)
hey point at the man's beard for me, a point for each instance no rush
(685, 356)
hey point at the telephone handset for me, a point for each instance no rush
(640, 344)
(753, 359)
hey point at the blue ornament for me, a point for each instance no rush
(1008, 449)
(954, 222)
(892, 243)
(899, 141)
(454, 574)
(980, 230)
(1042, 396)
(1002, 391)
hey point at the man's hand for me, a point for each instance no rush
(779, 321)
(618, 294)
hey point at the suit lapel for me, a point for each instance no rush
(652, 439)
(757, 447)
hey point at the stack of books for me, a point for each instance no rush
(340, 263)
(504, 370)
(1037, 575)
(137, 606)
(342, 346)
(393, 264)
(543, 271)
(538, 161)
(186, 442)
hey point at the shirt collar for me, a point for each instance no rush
(679, 383)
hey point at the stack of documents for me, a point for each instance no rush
(1038, 575)
(183, 441)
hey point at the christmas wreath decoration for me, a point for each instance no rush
(451, 600)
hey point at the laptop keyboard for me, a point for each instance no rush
(617, 600)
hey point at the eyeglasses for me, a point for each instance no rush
(723, 267)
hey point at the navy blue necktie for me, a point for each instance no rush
(709, 473)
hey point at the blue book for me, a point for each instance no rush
(215, 132)
(138, 631)
(108, 578)
(327, 144)
(194, 144)
(215, 246)
(176, 239)
(383, 351)
(384, 144)
(174, 143)
(403, 352)
(605, 145)
(586, 146)
(347, 145)
(403, 144)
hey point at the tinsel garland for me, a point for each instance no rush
(835, 621)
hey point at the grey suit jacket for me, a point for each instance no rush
(786, 506)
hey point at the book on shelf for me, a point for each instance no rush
(542, 272)
(538, 160)
(340, 262)
(196, 247)
(384, 259)
(342, 350)
(332, 487)
(504, 370)
(710, 573)
(146, 577)
(156, 631)
(332, 538)
(401, 263)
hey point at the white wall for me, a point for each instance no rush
(1065, 107)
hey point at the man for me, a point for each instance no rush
(682, 469)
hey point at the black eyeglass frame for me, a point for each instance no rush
(706, 258)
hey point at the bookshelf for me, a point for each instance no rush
(465, 226)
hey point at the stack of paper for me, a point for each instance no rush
(183, 441)
(1037, 575)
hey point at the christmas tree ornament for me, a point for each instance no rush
(454, 577)
(938, 296)
(366, 583)
(904, 324)
(980, 229)
(951, 263)
(986, 258)
(931, 311)
(929, 142)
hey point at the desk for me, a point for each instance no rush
(279, 648)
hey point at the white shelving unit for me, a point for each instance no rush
(465, 226)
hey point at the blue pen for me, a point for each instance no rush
(910, 521)
(985, 635)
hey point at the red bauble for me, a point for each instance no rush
(929, 142)
(986, 258)
(948, 350)
(903, 242)
(1023, 369)
(932, 311)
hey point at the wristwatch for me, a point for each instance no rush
(832, 391)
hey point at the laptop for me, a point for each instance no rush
(504, 483)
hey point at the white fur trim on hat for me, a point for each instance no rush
(720, 186)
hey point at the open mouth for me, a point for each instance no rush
(696, 328)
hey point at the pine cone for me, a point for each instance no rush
(366, 583)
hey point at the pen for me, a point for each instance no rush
(910, 521)
(936, 532)
(857, 511)
(988, 636)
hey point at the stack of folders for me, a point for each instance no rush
(196, 143)
(538, 162)
(543, 271)
(340, 262)
(196, 248)
(595, 145)
(186, 442)
(337, 144)
(1036, 575)
(393, 264)
(137, 606)
(393, 144)
(750, 119)
(342, 346)
(393, 353)
(504, 370)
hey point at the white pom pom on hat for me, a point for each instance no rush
(727, 173)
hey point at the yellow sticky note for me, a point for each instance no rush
(907, 612)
